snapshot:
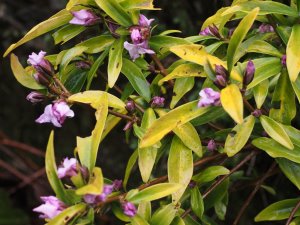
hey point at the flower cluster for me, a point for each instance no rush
(139, 37)
(211, 30)
(209, 97)
(52, 207)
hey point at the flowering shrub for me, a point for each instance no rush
(244, 64)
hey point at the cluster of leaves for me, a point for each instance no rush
(258, 114)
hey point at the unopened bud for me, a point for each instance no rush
(283, 60)
(130, 106)
(211, 146)
(41, 79)
(220, 70)
(249, 73)
(157, 102)
(83, 65)
(220, 82)
(128, 126)
(257, 113)
(35, 97)
(192, 184)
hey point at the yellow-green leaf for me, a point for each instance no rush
(138, 220)
(238, 36)
(197, 54)
(22, 75)
(138, 5)
(232, 102)
(260, 93)
(292, 53)
(115, 61)
(236, 140)
(70, 54)
(68, 214)
(184, 70)
(181, 87)
(57, 20)
(95, 185)
(180, 166)
(154, 192)
(94, 97)
(88, 147)
(276, 131)
(164, 215)
(169, 121)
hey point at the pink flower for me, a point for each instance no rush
(84, 17)
(39, 62)
(209, 97)
(144, 22)
(157, 102)
(136, 36)
(135, 50)
(51, 208)
(56, 114)
(265, 28)
(68, 168)
(35, 97)
(129, 209)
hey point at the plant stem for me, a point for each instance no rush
(123, 116)
(293, 213)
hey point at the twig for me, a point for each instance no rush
(162, 69)
(248, 105)
(293, 213)
(251, 196)
(12, 170)
(123, 116)
(60, 84)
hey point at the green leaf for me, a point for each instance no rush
(136, 78)
(197, 203)
(67, 33)
(260, 93)
(292, 56)
(115, 11)
(265, 8)
(197, 54)
(293, 133)
(169, 121)
(232, 102)
(66, 216)
(94, 99)
(239, 136)
(163, 44)
(88, 147)
(22, 75)
(97, 44)
(291, 170)
(212, 114)
(264, 47)
(296, 87)
(276, 150)
(264, 69)
(276, 131)
(115, 61)
(217, 194)
(154, 192)
(182, 71)
(278, 211)
(118, 212)
(220, 209)
(94, 68)
(238, 36)
(180, 167)
(178, 221)
(285, 99)
(130, 164)
(95, 185)
(164, 215)
(138, 220)
(147, 155)
(51, 171)
(210, 173)
(138, 5)
(57, 20)
(75, 81)
(70, 54)
(144, 210)
(181, 87)
(190, 138)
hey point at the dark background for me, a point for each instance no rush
(22, 179)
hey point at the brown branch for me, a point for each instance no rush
(162, 69)
(218, 182)
(293, 213)
(12, 170)
(22, 146)
(60, 84)
(251, 196)
(248, 105)
(123, 116)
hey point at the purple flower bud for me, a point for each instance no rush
(220, 70)
(83, 65)
(211, 146)
(129, 209)
(52, 207)
(117, 184)
(41, 79)
(211, 30)
(157, 102)
(35, 97)
(135, 50)
(41, 64)
(205, 32)
(68, 168)
(136, 36)
(265, 28)
(84, 17)
(56, 113)
(220, 82)
(249, 73)
(209, 97)
(128, 125)
(192, 184)
(95, 199)
(257, 113)
(130, 106)
(113, 28)
(283, 60)
(144, 22)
